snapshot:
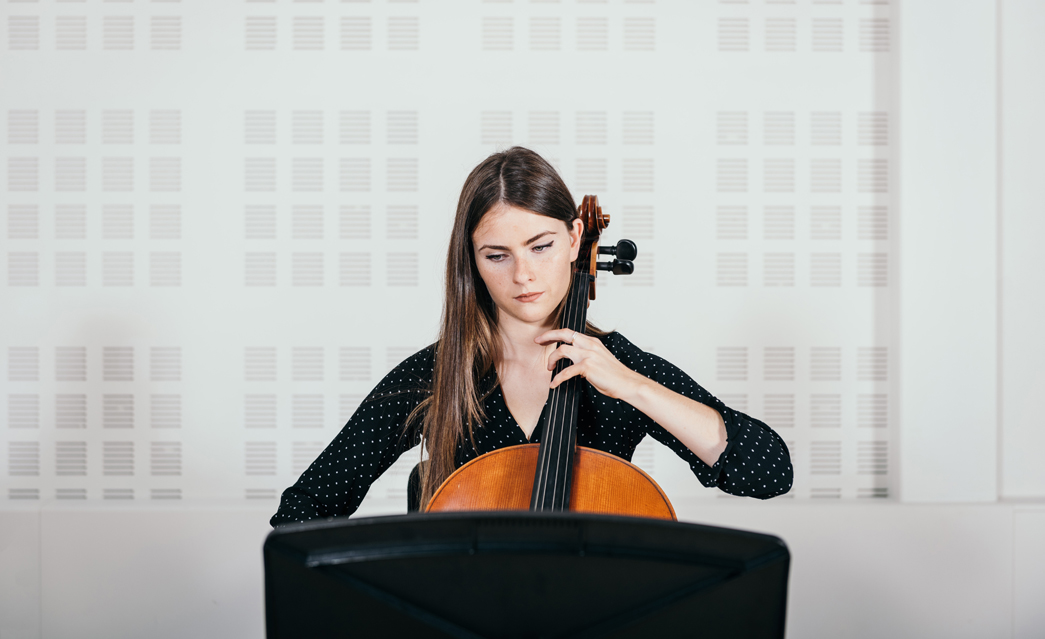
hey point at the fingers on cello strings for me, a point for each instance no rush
(565, 374)
(562, 352)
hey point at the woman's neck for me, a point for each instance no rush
(517, 341)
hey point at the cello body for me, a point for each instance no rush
(602, 483)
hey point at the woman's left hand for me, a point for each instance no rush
(701, 428)
(592, 361)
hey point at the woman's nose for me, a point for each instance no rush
(523, 271)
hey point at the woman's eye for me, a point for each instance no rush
(541, 248)
(495, 257)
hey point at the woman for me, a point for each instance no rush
(484, 384)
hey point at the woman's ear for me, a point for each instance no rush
(576, 230)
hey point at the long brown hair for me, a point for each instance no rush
(468, 346)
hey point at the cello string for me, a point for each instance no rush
(570, 433)
(560, 472)
(558, 487)
(565, 401)
(563, 415)
(577, 311)
(555, 417)
(560, 422)
(550, 430)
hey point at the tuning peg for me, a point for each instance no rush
(624, 250)
(619, 267)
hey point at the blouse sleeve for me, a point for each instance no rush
(374, 437)
(755, 463)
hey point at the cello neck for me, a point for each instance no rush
(551, 484)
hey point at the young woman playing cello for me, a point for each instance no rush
(484, 385)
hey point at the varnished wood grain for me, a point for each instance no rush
(503, 480)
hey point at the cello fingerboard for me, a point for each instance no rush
(551, 483)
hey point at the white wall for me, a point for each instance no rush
(1022, 269)
(946, 346)
(232, 243)
(948, 252)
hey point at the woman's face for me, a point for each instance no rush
(524, 260)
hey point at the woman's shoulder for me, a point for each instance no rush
(622, 348)
(631, 355)
(617, 343)
(422, 360)
(413, 373)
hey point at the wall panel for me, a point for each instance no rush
(1022, 281)
(224, 223)
(948, 356)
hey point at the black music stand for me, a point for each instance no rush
(522, 574)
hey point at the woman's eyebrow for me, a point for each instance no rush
(505, 248)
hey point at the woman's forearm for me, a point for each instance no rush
(700, 428)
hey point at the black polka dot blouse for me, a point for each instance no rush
(755, 463)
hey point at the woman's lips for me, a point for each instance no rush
(529, 297)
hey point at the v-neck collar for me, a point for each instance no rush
(535, 436)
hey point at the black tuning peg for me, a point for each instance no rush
(619, 267)
(624, 250)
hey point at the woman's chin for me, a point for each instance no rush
(531, 315)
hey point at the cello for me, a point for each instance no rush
(556, 474)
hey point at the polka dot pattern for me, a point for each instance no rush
(755, 463)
